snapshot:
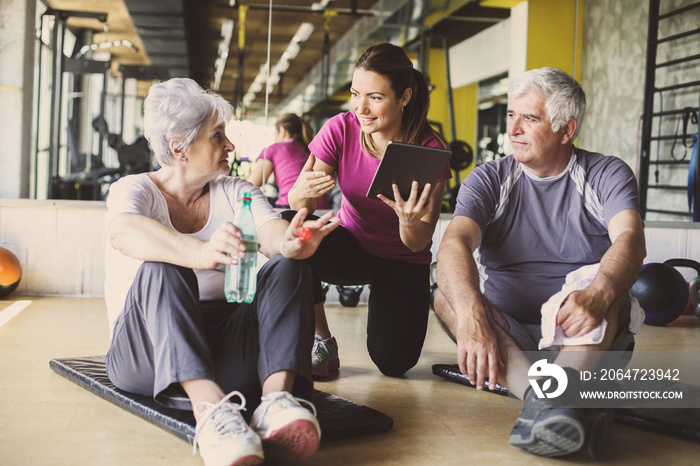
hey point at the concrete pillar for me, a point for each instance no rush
(16, 95)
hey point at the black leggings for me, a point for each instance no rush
(399, 297)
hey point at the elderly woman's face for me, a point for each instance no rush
(209, 152)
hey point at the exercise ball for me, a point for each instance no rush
(10, 272)
(662, 292)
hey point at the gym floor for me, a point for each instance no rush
(45, 419)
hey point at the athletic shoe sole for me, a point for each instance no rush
(295, 441)
(332, 367)
(555, 435)
(250, 460)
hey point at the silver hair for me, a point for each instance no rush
(175, 110)
(564, 97)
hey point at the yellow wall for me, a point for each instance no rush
(552, 40)
(550, 35)
(500, 3)
(438, 96)
(464, 104)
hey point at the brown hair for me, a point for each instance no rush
(299, 129)
(392, 62)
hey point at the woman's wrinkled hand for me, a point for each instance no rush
(224, 247)
(302, 238)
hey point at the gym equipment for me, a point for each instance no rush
(10, 272)
(676, 422)
(133, 158)
(338, 417)
(349, 296)
(694, 295)
(692, 306)
(662, 292)
(680, 106)
(462, 155)
(324, 289)
(433, 284)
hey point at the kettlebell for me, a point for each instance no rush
(349, 296)
(694, 286)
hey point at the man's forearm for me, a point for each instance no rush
(620, 265)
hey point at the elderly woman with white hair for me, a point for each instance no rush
(173, 335)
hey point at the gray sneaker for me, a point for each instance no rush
(324, 356)
(223, 437)
(544, 430)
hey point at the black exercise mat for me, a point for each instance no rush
(338, 417)
(675, 422)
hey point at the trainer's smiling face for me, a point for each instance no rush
(535, 145)
(376, 106)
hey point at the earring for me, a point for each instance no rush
(183, 159)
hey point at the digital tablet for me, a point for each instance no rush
(403, 164)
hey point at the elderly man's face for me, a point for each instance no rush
(534, 143)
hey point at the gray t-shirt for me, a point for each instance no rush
(537, 230)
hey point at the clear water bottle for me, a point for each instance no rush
(241, 278)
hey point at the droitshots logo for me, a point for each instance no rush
(550, 371)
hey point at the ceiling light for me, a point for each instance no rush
(292, 51)
(281, 66)
(256, 87)
(222, 53)
(320, 5)
(303, 33)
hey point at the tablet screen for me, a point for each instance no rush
(402, 164)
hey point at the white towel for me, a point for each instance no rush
(578, 279)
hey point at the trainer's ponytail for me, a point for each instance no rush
(299, 129)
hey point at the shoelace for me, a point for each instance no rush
(320, 348)
(215, 407)
(285, 399)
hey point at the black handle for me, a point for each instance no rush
(684, 263)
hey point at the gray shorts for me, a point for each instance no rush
(528, 336)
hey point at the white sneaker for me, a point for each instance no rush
(223, 437)
(289, 431)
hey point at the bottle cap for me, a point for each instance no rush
(244, 196)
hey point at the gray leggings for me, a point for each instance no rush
(165, 335)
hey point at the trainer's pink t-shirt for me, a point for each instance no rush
(373, 223)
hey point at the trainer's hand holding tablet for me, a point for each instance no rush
(402, 164)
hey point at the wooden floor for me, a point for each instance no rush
(47, 420)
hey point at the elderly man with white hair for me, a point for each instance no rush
(560, 242)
